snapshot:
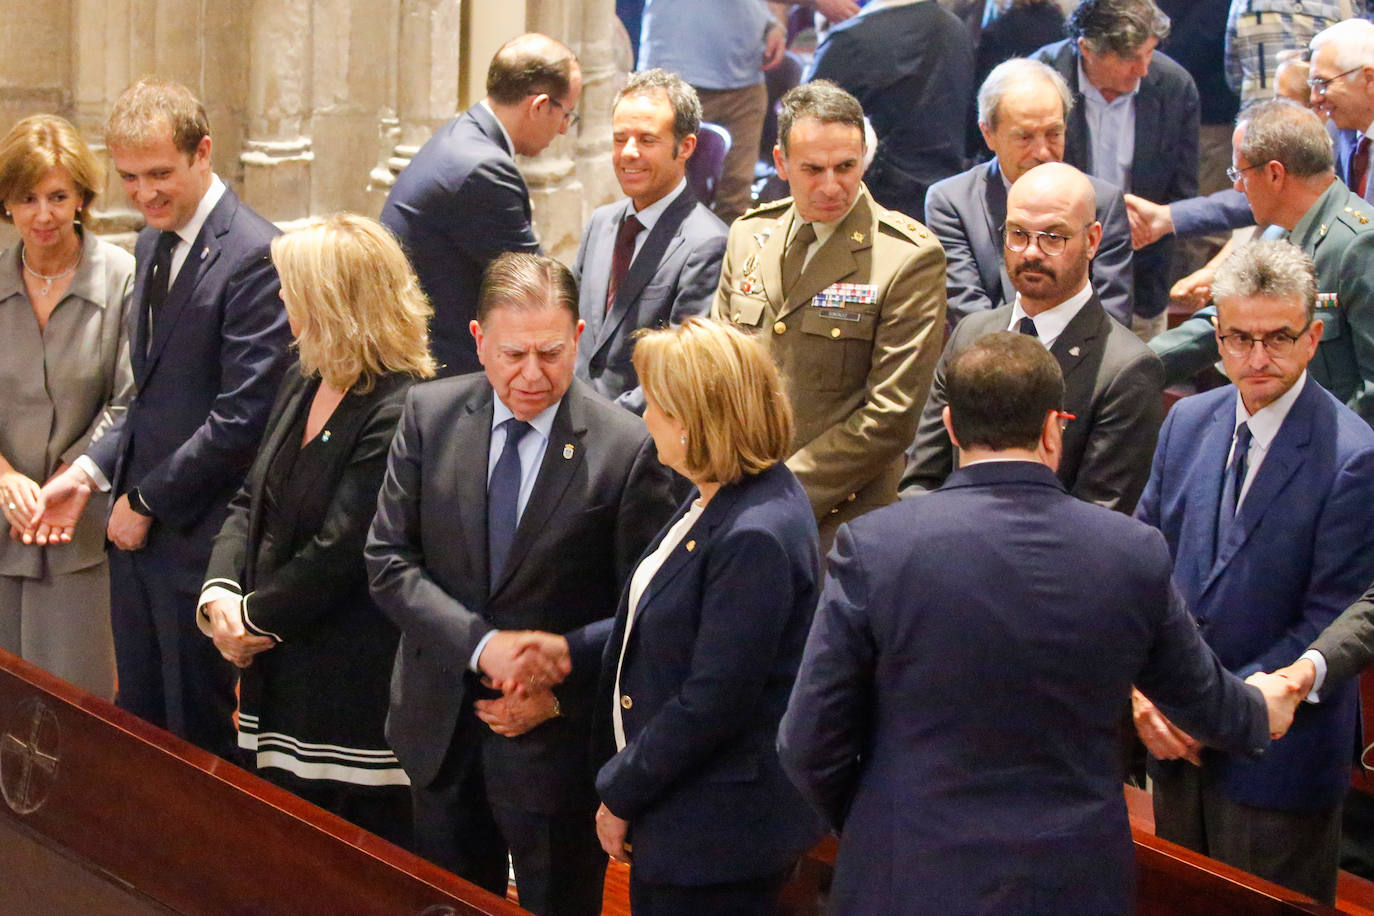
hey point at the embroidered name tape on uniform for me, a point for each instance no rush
(837, 295)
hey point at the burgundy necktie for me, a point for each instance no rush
(1359, 167)
(622, 256)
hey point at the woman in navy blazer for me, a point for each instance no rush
(707, 640)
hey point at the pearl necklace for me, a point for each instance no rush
(48, 280)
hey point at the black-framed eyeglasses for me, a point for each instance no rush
(1276, 343)
(1319, 85)
(1234, 173)
(1050, 243)
(569, 116)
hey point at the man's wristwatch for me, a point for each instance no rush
(137, 504)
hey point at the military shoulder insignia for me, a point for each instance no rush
(858, 237)
(906, 226)
(768, 207)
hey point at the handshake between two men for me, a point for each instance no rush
(525, 665)
(1283, 691)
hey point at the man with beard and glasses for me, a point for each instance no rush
(1112, 381)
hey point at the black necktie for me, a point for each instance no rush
(503, 499)
(1027, 326)
(159, 282)
(622, 256)
(1234, 482)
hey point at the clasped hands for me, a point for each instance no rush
(47, 514)
(1283, 691)
(232, 639)
(524, 665)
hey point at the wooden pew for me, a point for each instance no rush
(103, 813)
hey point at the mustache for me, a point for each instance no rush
(1038, 266)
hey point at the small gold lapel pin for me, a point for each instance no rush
(1074, 351)
(691, 545)
(567, 451)
(858, 237)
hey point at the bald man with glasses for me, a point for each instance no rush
(1112, 381)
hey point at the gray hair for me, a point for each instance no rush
(1015, 72)
(1271, 268)
(1352, 41)
(1283, 131)
(682, 98)
(1117, 27)
(820, 100)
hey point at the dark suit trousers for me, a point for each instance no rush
(754, 897)
(1300, 851)
(170, 674)
(560, 868)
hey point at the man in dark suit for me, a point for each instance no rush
(1342, 83)
(1263, 493)
(957, 710)
(910, 65)
(1022, 109)
(1113, 382)
(1134, 123)
(462, 200)
(654, 259)
(207, 348)
(538, 498)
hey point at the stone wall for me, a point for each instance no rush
(316, 105)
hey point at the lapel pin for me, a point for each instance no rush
(567, 451)
(204, 253)
(858, 237)
(691, 545)
(1074, 351)
(324, 436)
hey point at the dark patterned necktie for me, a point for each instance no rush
(159, 282)
(624, 253)
(1233, 483)
(503, 499)
(1027, 326)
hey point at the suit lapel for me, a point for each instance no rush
(138, 352)
(663, 239)
(1281, 462)
(1076, 340)
(1148, 112)
(995, 194)
(770, 260)
(471, 453)
(836, 258)
(1077, 149)
(1205, 495)
(562, 458)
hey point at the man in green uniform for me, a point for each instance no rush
(850, 299)
(1283, 162)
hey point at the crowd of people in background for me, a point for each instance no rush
(859, 509)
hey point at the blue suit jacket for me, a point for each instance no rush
(711, 659)
(459, 204)
(911, 67)
(205, 386)
(673, 277)
(967, 212)
(958, 707)
(1164, 168)
(1301, 549)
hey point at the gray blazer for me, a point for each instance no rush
(64, 386)
(673, 277)
(1113, 385)
(966, 213)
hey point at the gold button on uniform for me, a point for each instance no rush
(834, 332)
(626, 702)
(779, 328)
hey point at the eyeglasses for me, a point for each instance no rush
(1234, 173)
(1050, 243)
(1319, 85)
(1063, 418)
(1276, 343)
(569, 116)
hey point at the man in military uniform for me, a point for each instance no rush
(850, 299)
(1284, 164)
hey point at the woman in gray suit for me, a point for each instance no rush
(64, 371)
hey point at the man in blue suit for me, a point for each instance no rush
(1023, 107)
(207, 348)
(957, 712)
(462, 200)
(1134, 122)
(1264, 492)
(654, 259)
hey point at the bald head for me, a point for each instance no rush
(1052, 234)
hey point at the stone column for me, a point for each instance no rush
(603, 75)
(277, 153)
(428, 37)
